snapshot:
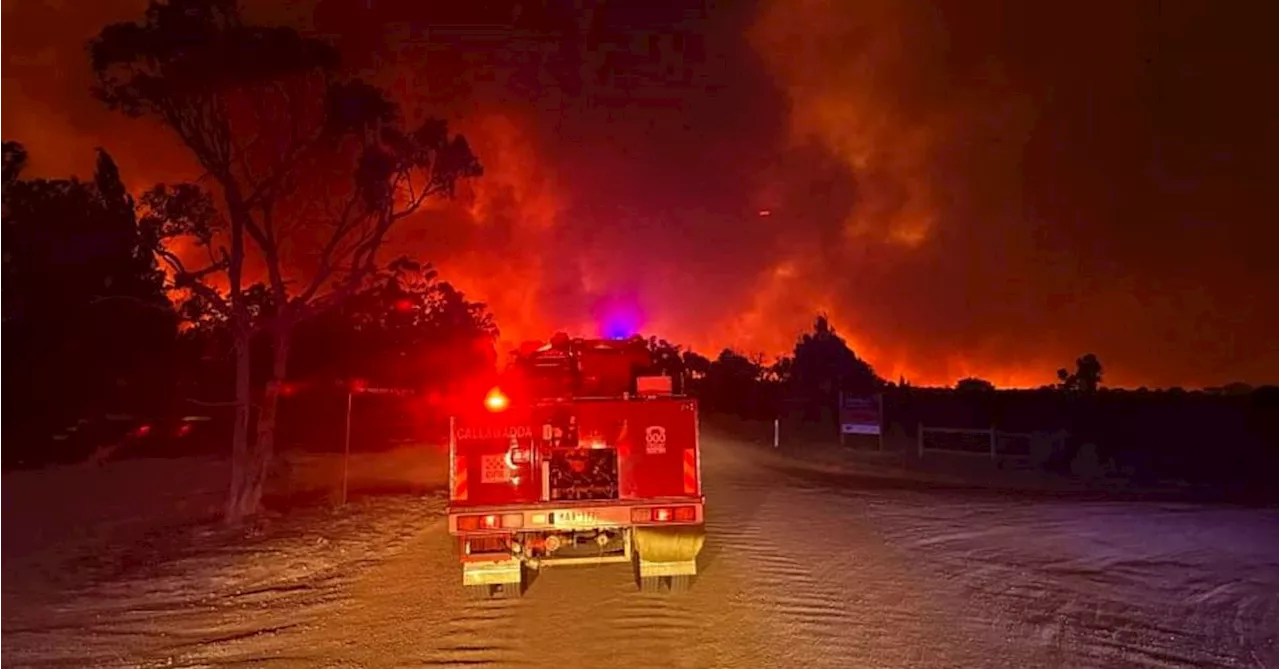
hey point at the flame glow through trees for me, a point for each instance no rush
(937, 178)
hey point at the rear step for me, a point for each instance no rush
(496, 591)
(664, 559)
(503, 578)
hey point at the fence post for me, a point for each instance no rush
(346, 451)
(840, 414)
(920, 440)
(883, 427)
(453, 456)
(993, 443)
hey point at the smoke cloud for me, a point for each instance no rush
(968, 188)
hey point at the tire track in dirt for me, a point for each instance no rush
(824, 572)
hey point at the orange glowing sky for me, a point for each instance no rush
(968, 188)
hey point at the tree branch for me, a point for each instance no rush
(344, 224)
(163, 308)
(184, 279)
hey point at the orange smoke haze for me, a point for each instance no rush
(965, 188)
(516, 205)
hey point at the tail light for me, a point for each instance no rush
(491, 521)
(665, 514)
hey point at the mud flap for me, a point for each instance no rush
(667, 558)
(659, 569)
(669, 544)
(503, 577)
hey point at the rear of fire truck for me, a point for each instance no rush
(580, 457)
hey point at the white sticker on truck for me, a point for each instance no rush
(494, 469)
(655, 440)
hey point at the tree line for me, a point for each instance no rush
(97, 323)
(820, 366)
(93, 324)
(270, 268)
(267, 267)
(307, 168)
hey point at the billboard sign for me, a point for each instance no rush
(859, 415)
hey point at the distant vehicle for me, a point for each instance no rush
(578, 457)
(124, 435)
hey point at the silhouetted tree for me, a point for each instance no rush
(733, 383)
(823, 365)
(186, 216)
(735, 367)
(668, 360)
(1236, 388)
(975, 385)
(695, 364)
(406, 329)
(1086, 379)
(312, 171)
(780, 370)
(15, 159)
(87, 325)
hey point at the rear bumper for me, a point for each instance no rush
(544, 517)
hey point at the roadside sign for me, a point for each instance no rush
(359, 387)
(386, 391)
(859, 415)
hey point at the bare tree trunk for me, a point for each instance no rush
(240, 460)
(264, 444)
(242, 335)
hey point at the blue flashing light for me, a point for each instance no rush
(620, 321)
(616, 331)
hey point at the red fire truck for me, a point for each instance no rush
(581, 454)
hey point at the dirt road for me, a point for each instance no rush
(812, 569)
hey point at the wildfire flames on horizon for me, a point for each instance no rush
(899, 167)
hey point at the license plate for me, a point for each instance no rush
(576, 519)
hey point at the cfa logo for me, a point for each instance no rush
(655, 440)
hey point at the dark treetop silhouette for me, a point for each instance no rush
(311, 169)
